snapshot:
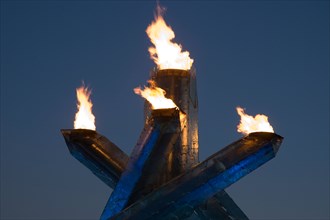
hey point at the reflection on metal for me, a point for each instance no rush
(157, 139)
(97, 153)
(178, 198)
(81, 144)
(180, 86)
(163, 178)
(220, 206)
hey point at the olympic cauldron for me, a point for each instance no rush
(163, 178)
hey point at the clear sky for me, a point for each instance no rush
(270, 57)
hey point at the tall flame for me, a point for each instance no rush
(251, 124)
(84, 117)
(155, 96)
(166, 54)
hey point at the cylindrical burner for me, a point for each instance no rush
(180, 86)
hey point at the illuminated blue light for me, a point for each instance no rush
(132, 174)
(226, 178)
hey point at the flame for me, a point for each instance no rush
(84, 117)
(251, 124)
(155, 96)
(166, 54)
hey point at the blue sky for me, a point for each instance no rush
(270, 57)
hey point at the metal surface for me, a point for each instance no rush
(178, 198)
(157, 140)
(220, 206)
(180, 86)
(82, 143)
(97, 153)
(162, 179)
(157, 169)
(107, 162)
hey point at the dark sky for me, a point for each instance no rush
(270, 57)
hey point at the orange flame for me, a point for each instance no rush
(166, 54)
(250, 124)
(84, 117)
(155, 96)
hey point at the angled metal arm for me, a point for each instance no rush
(108, 162)
(178, 198)
(97, 153)
(220, 206)
(157, 139)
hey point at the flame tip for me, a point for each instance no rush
(165, 53)
(84, 118)
(249, 124)
(155, 96)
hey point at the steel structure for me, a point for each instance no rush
(180, 86)
(97, 153)
(163, 178)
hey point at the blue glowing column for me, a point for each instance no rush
(161, 131)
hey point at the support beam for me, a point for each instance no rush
(107, 162)
(97, 153)
(157, 139)
(220, 206)
(180, 86)
(178, 198)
